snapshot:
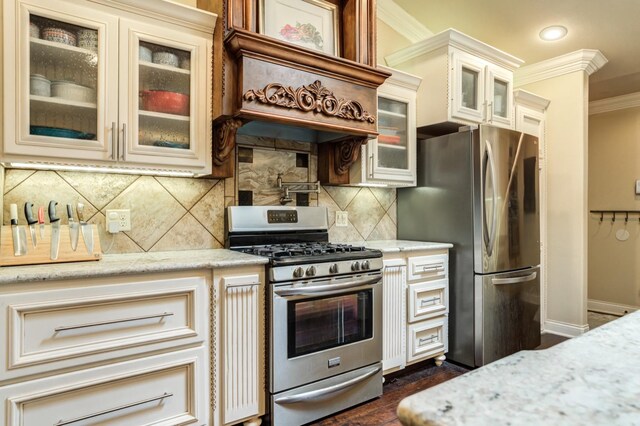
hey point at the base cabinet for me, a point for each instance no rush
(238, 361)
(415, 308)
(129, 350)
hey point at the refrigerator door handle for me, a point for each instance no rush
(490, 236)
(514, 280)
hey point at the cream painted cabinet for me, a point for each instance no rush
(390, 159)
(530, 112)
(465, 81)
(112, 83)
(120, 351)
(238, 362)
(415, 308)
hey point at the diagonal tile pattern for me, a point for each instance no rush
(98, 188)
(187, 191)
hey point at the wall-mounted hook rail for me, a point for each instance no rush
(615, 213)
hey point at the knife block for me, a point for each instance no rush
(41, 254)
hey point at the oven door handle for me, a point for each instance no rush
(326, 288)
(319, 393)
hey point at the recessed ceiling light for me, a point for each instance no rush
(554, 32)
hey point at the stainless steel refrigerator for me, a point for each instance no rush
(478, 189)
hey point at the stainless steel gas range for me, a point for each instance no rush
(324, 311)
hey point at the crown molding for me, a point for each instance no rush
(402, 22)
(461, 41)
(401, 78)
(523, 97)
(587, 60)
(631, 100)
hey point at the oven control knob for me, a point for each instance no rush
(365, 265)
(298, 272)
(333, 269)
(311, 271)
(355, 266)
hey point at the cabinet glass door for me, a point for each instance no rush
(468, 88)
(392, 141)
(500, 91)
(165, 74)
(61, 79)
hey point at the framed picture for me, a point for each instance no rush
(308, 23)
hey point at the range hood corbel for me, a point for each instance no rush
(270, 81)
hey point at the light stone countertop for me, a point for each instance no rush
(396, 246)
(131, 263)
(592, 379)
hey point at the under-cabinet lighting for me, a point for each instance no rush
(94, 169)
(553, 33)
(380, 185)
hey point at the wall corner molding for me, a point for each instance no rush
(587, 60)
(615, 103)
(530, 99)
(401, 21)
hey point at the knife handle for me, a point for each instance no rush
(28, 213)
(13, 213)
(40, 214)
(80, 211)
(70, 212)
(52, 211)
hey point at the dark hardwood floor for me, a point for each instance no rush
(413, 379)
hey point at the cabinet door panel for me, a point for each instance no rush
(468, 87)
(427, 338)
(500, 95)
(162, 74)
(427, 299)
(61, 86)
(393, 314)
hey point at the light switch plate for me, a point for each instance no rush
(342, 218)
(638, 187)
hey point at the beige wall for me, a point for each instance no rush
(614, 166)
(567, 154)
(388, 41)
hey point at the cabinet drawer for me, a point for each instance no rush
(428, 267)
(167, 390)
(427, 338)
(427, 300)
(101, 322)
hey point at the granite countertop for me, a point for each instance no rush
(395, 246)
(131, 263)
(592, 379)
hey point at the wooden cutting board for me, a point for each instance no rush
(41, 254)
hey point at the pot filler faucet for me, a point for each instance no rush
(290, 188)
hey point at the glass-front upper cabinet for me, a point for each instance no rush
(501, 92)
(86, 83)
(60, 82)
(165, 73)
(390, 159)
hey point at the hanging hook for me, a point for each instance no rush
(626, 217)
(613, 218)
(602, 217)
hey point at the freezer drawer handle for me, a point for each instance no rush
(326, 288)
(318, 393)
(514, 280)
(96, 324)
(111, 410)
(431, 300)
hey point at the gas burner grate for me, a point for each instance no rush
(279, 251)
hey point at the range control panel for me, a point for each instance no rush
(282, 216)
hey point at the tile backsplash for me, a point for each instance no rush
(184, 213)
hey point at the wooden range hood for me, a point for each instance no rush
(268, 81)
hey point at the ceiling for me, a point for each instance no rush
(611, 26)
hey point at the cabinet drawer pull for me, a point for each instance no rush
(429, 339)
(430, 300)
(114, 136)
(111, 410)
(232, 287)
(124, 141)
(96, 324)
(433, 268)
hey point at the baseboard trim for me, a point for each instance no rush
(564, 329)
(610, 308)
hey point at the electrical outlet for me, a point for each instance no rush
(118, 220)
(342, 218)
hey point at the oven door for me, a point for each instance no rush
(322, 328)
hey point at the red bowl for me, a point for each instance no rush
(163, 101)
